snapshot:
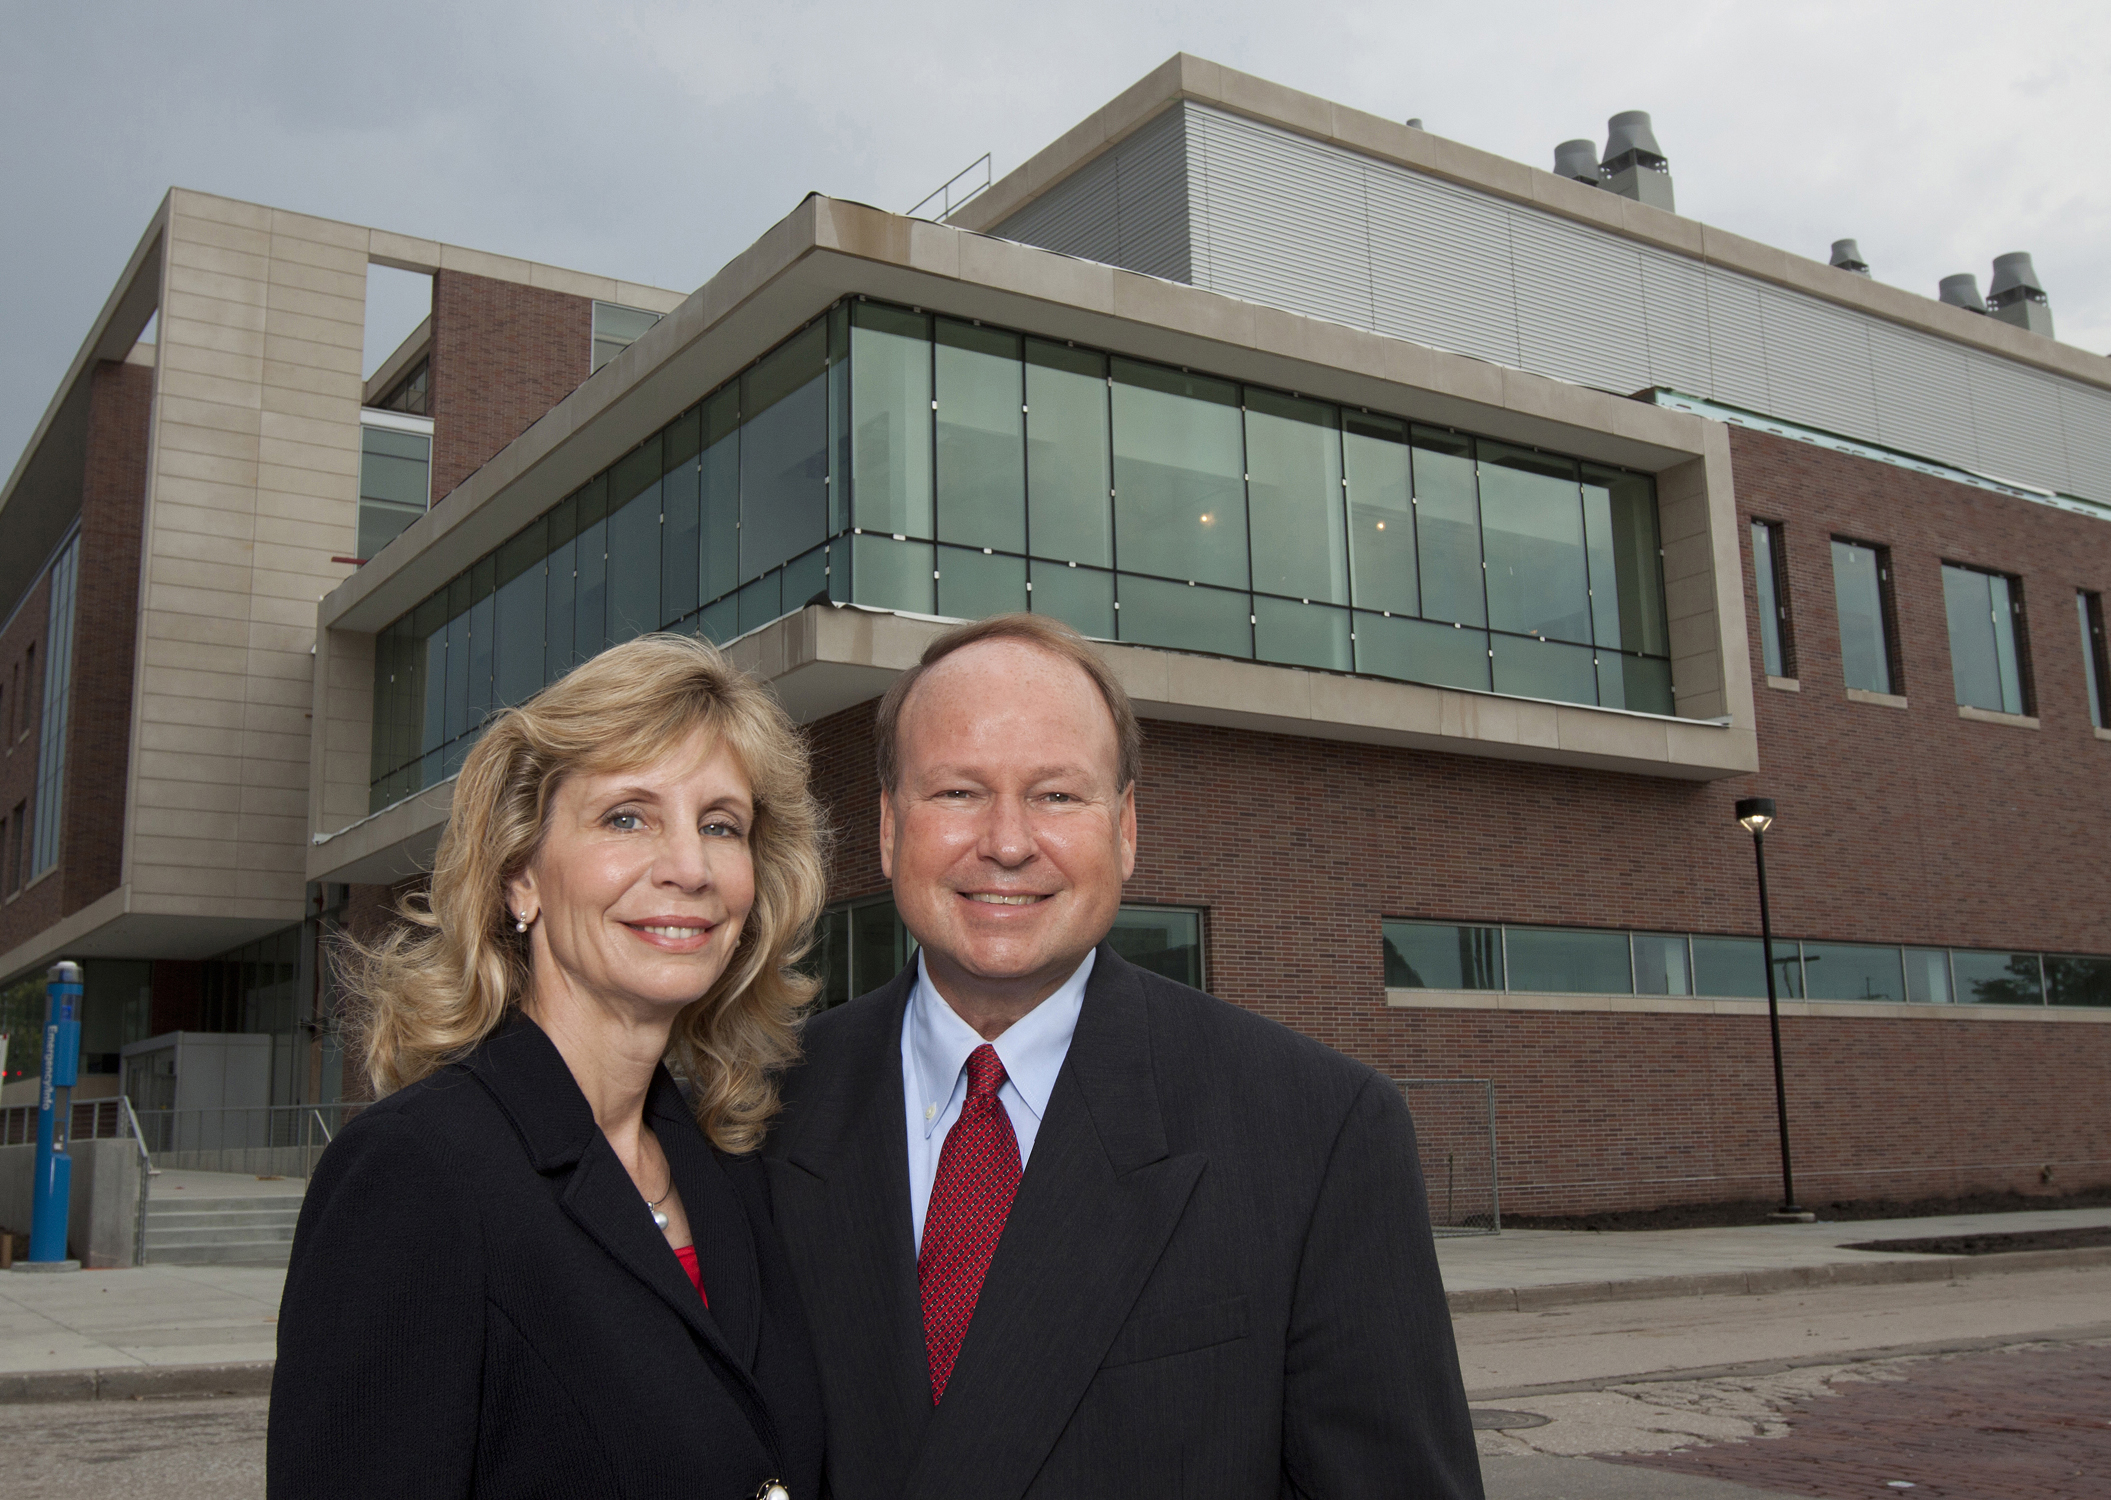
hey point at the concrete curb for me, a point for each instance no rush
(1780, 1279)
(137, 1383)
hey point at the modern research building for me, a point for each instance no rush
(1471, 537)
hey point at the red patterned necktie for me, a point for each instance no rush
(978, 1172)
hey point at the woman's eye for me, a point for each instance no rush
(623, 822)
(719, 828)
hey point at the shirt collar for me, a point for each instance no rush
(1032, 1048)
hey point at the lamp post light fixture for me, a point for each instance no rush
(1756, 814)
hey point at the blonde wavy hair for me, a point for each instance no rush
(445, 976)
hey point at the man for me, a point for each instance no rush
(1067, 1228)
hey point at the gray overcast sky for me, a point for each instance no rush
(653, 141)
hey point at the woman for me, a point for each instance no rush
(534, 1267)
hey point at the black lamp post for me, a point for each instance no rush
(1757, 815)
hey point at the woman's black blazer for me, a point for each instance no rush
(480, 1305)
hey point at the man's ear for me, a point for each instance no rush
(886, 833)
(1128, 830)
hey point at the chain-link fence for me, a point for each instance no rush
(1455, 1133)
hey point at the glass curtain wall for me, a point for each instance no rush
(905, 460)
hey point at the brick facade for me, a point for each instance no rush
(502, 355)
(34, 906)
(106, 632)
(1896, 825)
(106, 624)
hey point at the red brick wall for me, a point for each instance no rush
(106, 626)
(1896, 826)
(502, 355)
(37, 906)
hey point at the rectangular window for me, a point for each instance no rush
(890, 404)
(58, 694)
(1069, 457)
(1443, 956)
(2078, 981)
(1663, 964)
(2096, 665)
(784, 453)
(1532, 527)
(1928, 976)
(1448, 529)
(616, 328)
(1294, 498)
(1732, 968)
(1568, 961)
(1166, 940)
(981, 419)
(1179, 486)
(1998, 978)
(1861, 581)
(1853, 971)
(1770, 583)
(1988, 660)
(1381, 492)
(634, 543)
(395, 477)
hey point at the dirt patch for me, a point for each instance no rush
(1723, 1215)
(1995, 1244)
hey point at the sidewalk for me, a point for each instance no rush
(171, 1329)
(1521, 1269)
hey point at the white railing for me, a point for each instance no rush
(944, 194)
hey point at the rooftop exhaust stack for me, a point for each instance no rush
(2016, 296)
(1847, 255)
(1415, 123)
(1577, 159)
(1634, 165)
(1962, 290)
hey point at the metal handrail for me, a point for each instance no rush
(147, 1170)
(322, 1125)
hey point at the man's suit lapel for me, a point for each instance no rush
(1099, 1199)
(841, 1195)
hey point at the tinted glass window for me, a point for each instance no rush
(1294, 500)
(1180, 494)
(2078, 981)
(1858, 585)
(973, 584)
(1852, 971)
(1442, 956)
(1375, 456)
(1422, 651)
(1164, 939)
(1532, 527)
(1568, 961)
(634, 544)
(890, 433)
(1448, 529)
(1182, 617)
(1997, 978)
(784, 454)
(1983, 663)
(1764, 569)
(1663, 964)
(1068, 455)
(1732, 967)
(981, 439)
(1081, 597)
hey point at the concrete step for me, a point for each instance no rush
(232, 1253)
(221, 1231)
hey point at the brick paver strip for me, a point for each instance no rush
(2030, 1425)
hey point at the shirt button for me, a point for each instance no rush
(930, 1111)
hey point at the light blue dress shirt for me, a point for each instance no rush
(936, 1045)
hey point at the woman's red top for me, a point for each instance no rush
(686, 1254)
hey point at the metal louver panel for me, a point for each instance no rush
(1127, 207)
(1287, 224)
(1079, 216)
(2020, 436)
(1440, 266)
(2085, 417)
(1924, 395)
(1736, 341)
(1817, 363)
(1579, 304)
(1152, 199)
(1675, 306)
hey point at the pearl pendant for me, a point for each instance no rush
(659, 1219)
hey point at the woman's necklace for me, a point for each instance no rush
(659, 1218)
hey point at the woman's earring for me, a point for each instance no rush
(520, 924)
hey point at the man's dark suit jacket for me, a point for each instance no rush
(1216, 1279)
(480, 1305)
